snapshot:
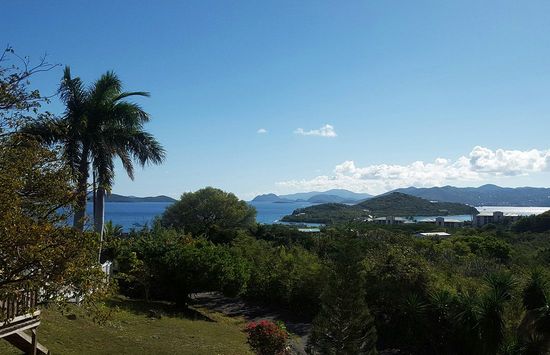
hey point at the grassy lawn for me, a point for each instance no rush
(130, 330)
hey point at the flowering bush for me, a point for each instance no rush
(267, 338)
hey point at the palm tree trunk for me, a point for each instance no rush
(82, 191)
(99, 214)
(94, 198)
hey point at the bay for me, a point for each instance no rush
(137, 214)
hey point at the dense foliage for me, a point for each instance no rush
(536, 223)
(472, 293)
(165, 264)
(344, 324)
(37, 250)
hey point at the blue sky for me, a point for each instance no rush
(414, 93)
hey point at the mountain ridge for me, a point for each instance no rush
(485, 195)
(135, 199)
(333, 195)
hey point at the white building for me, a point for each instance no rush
(391, 220)
(494, 217)
(433, 234)
(444, 222)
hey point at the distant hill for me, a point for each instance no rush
(270, 198)
(394, 204)
(328, 199)
(334, 195)
(403, 205)
(486, 195)
(121, 198)
(326, 213)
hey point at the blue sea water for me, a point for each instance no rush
(269, 212)
(136, 214)
(131, 214)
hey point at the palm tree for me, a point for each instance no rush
(116, 130)
(68, 132)
(98, 126)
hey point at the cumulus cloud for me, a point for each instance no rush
(261, 131)
(325, 131)
(479, 165)
(509, 162)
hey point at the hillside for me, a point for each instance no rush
(328, 199)
(400, 204)
(130, 331)
(270, 198)
(394, 204)
(327, 213)
(486, 195)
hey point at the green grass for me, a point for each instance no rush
(130, 331)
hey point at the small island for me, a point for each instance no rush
(121, 198)
(394, 204)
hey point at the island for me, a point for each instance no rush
(121, 198)
(393, 204)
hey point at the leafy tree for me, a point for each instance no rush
(344, 324)
(19, 104)
(37, 251)
(211, 212)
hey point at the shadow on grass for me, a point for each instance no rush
(157, 309)
(252, 311)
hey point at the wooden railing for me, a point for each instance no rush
(17, 305)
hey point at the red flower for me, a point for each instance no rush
(267, 338)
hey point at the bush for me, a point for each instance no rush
(168, 265)
(267, 338)
(289, 277)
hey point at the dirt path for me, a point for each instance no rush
(252, 312)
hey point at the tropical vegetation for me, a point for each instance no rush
(38, 252)
(365, 288)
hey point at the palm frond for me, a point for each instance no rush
(128, 114)
(107, 87)
(131, 93)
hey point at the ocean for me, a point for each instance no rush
(136, 214)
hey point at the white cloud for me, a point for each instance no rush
(325, 131)
(479, 165)
(509, 162)
(261, 131)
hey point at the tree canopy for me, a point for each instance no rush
(211, 212)
(37, 249)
